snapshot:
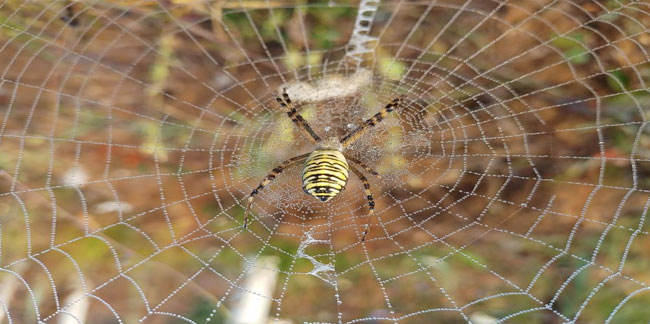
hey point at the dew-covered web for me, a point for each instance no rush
(514, 180)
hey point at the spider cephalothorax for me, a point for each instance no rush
(326, 168)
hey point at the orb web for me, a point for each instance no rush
(512, 188)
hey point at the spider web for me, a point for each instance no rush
(514, 183)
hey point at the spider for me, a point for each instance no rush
(325, 172)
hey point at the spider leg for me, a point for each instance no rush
(277, 170)
(364, 166)
(297, 119)
(371, 201)
(372, 121)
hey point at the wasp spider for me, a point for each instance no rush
(325, 172)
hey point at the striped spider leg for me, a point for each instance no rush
(363, 166)
(371, 200)
(274, 173)
(372, 121)
(296, 118)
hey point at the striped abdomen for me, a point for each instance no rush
(325, 174)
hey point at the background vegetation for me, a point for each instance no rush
(132, 130)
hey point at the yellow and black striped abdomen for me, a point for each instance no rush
(325, 174)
